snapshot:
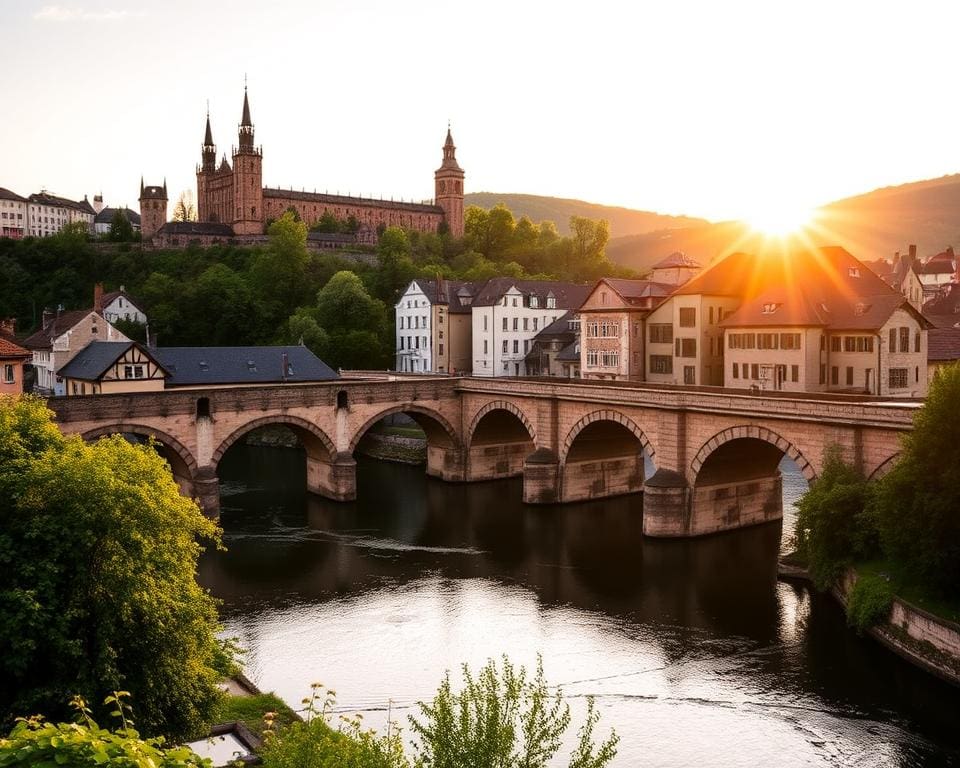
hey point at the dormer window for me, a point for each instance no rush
(204, 365)
(251, 366)
(861, 308)
(853, 271)
(534, 301)
(551, 302)
(770, 308)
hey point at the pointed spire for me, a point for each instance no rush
(141, 186)
(164, 186)
(208, 138)
(246, 107)
(449, 141)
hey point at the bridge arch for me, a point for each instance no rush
(438, 429)
(316, 442)
(610, 416)
(751, 432)
(181, 452)
(884, 467)
(500, 405)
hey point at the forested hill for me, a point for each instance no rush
(623, 221)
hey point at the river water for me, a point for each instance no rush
(695, 653)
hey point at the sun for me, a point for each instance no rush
(780, 220)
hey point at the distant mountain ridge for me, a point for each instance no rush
(871, 226)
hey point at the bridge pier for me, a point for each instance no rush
(541, 472)
(493, 461)
(336, 479)
(446, 463)
(206, 490)
(601, 478)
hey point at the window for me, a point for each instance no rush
(592, 358)
(514, 301)
(794, 373)
(893, 340)
(551, 302)
(834, 375)
(688, 317)
(769, 309)
(505, 347)
(506, 324)
(686, 347)
(898, 378)
(516, 346)
(526, 346)
(536, 322)
(904, 339)
(526, 324)
(754, 371)
(789, 341)
(823, 373)
(767, 341)
(849, 375)
(485, 351)
(485, 322)
(711, 315)
(441, 349)
(603, 297)
(736, 370)
(689, 374)
(534, 302)
(401, 343)
(8, 373)
(916, 341)
(516, 323)
(661, 333)
(853, 271)
(661, 364)
(835, 342)
(610, 359)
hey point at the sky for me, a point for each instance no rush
(714, 109)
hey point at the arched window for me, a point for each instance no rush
(203, 408)
(342, 399)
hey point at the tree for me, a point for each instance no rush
(121, 230)
(833, 529)
(99, 554)
(917, 504)
(221, 308)
(354, 321)
(302, 328)
(185, 209)
(277, 274)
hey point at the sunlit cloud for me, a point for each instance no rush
(61, 13)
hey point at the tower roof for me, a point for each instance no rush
(245, 120)
(208, 138)
(449, 155)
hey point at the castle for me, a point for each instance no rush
(232, 202)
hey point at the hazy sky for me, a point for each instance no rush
(717, 109)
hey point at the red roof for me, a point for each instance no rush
(10, 349)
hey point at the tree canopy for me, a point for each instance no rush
(99, 552)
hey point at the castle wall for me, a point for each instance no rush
(368, 212)
(218, 202)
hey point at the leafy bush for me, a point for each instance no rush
(35, 742)
(315, 743)
(499, 720)
(833, 526)
(917, 505)
(869, 602)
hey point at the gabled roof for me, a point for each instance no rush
(109, 298)
(9, 349)
(43, 339)
(558, 329)
(946, 302)
(95, 359)
(567, 295)
(635, 291)
(943, 344)
(6, 194)
(570, 353)
(677, 259)
(190, 366)
(106, 216)
(45, 198)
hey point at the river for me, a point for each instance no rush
(695, 653)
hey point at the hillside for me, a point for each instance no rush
(623, 221)
(871, 226)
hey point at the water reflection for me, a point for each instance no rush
(697, 655)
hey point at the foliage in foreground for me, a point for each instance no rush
(833, 529)
(499, 719)
(869, 602)
(917, 504)
(99, 553)
(35, 742)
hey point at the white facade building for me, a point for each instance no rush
(14, 213)
(413, 333)
(118, 305)
(48, 214)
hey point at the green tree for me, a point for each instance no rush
(99, 555)
(326, 223)
(917, 504)
(121, 230)
(303, 328)
(502, 719)
(277, 274)
(220, 307)
(833, 529)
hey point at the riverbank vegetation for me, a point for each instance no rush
(99, 553)
(339, 302)
(901, 533)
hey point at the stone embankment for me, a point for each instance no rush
(925, 640)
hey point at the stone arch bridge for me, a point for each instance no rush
(716, 452)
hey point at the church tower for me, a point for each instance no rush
(153, 209)
(448, 181)
(247, 178)
(208, 165)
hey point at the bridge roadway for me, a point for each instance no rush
(716, 452)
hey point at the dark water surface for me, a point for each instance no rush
(695, 653)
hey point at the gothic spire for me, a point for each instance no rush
(449, 153)
(208, 138)
(246, 109)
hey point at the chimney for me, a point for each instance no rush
(47, 318)
(8, 326)
(98, 298)
(913, 253)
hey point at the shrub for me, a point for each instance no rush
(499, 720)
(35, 742)
(869, 602)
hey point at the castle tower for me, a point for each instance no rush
(247, 178)
(208, 165)
(448, 181)
(153, 209)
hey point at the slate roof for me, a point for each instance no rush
(95, 359)
(557, 329)
(448, 294)
(43, 339)
(677, 259)
(943, 344)
(45, 198)
(568, 295)
(106, 216)
(189, 366)
(9, 349)
(366, 202)
(196, 228)
(570, 353)
(6, 194)
(109, 298)
(946, 302)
